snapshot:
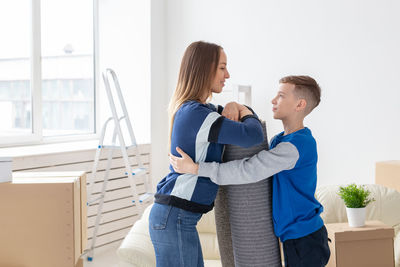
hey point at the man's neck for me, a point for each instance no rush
(292, 126)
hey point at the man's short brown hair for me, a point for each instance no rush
(306, 88)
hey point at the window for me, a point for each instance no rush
(67, 67)
(46, 70)
(15, 88)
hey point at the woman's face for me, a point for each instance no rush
(221, 75)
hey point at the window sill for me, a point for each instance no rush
(43, 149)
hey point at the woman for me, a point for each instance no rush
(199, 129)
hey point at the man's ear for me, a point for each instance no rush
(301, 104)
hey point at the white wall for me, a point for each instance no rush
(350, 47)
(159, 98)
(124, 34)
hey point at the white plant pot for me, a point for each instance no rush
(356, 216)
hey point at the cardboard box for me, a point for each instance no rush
(387, 173)
(41, 221)
(367, 246)
(5, 169)
(80, 263)
(83, 193)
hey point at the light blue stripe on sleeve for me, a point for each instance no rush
(186, 183)
(202, 136)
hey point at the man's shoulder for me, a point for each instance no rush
(304, 141)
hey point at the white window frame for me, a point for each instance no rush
(36, 85)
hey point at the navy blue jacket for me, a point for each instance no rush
(202, 132)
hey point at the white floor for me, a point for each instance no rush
(104, 257)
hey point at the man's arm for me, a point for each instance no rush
(250, 170)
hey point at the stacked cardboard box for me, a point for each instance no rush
(5, 169)
(43, 219)
(367, 246)
(387, 173)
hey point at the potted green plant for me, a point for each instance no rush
(356, 198)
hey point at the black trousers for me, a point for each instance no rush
(308, 251)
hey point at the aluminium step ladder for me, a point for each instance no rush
(131, 173)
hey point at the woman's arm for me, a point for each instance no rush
(246, 133)
(235, 111)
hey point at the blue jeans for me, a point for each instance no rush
(174, 236)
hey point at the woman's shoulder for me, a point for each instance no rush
(194, 111)
(196, 106)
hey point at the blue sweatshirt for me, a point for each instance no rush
(292, 161)
(202, 132)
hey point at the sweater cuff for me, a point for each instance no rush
(220, 109)
(250, 109)
(250, 116)
(205, 169)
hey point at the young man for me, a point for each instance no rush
(292, 161)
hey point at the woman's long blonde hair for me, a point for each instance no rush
(198, 68)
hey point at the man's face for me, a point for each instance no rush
(285, 102)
